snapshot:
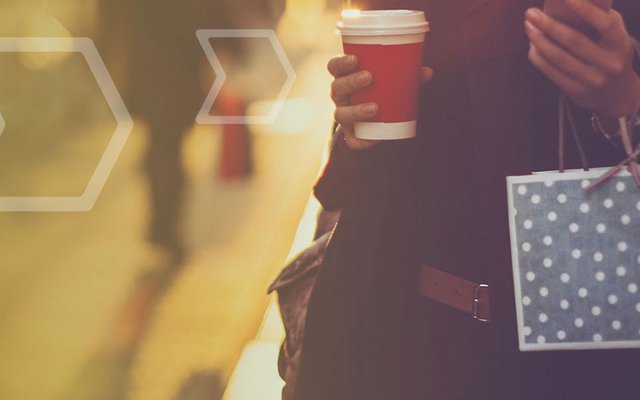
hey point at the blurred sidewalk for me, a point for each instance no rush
(65, 277)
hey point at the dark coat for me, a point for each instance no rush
(441, 199)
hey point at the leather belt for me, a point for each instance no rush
(469, 297)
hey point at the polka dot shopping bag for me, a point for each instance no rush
(575, 239)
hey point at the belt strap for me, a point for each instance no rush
(461, 294)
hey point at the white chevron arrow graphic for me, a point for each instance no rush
(204, 36)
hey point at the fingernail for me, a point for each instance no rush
(530, 28)
(370, 108)
(533, 15)
(363, 77)
(351, 60)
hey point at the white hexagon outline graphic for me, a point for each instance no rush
(204, 37)
(124, 124)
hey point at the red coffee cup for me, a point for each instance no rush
(388, 43)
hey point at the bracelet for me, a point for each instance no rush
(597, 127)
(631, 122)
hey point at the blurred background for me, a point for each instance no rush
(158, 292)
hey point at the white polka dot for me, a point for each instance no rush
(562, 335)
(608, 203)
(564, 304)
(595, 310)
(638, 259)
(583, 292)
(620, 186)
(552, 216)
(638, 206)
(579, 322)
(562, 198)
(638, 307)
(528, 224)
(565, 278)
(601, 228)
(574, 227)
(600, 276)
(621, 271)
(526, 300)
(625, 219)
(617, 325)
(522, 190)
(547, 263)
(547, 240)
(584, 208)
(632, 288)
(541, 339)
(597, 337)
(598, 257)
(531, 276)
(548, 182)
(612, 299)
(575, 253)
(526, 246)
(544, 292)
(535, 199)
(543, 318)
(622, 246)
(584, 183)
(526, 330)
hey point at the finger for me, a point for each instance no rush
(350, 114)
(355, 143)
(565, 82)
(569, 38)
(342, 65)
(427, 74)
(342, 88)
(563, 60)
(602, 20)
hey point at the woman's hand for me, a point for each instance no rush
(598, 76)
(347, 82)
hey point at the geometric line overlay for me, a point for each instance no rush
(124, 125)
(204, 37)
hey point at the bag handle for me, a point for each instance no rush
(626, 131)
(565, 112)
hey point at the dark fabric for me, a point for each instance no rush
(441, 199)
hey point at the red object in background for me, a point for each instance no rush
(396, 79)
(235, 157)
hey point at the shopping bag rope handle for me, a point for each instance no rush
(565, 112)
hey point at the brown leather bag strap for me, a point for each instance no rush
(461, 294)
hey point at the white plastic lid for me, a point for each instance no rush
(382, 22)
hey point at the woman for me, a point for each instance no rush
(489, 111)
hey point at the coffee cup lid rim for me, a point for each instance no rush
(382, 22)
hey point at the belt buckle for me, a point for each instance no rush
(476, 302)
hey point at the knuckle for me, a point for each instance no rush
(598, 81)
(610, 25)
(616, 66)
(573, 42)
(331, 66)
(334, 91)
(354, 82)
(337, 115)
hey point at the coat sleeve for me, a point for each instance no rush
(630, 10)
(338, 181)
